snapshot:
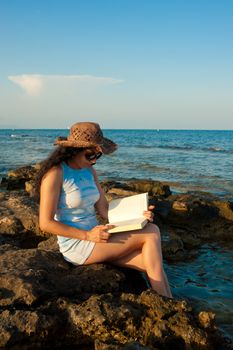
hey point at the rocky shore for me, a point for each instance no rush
(48, 303)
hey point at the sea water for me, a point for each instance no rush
(186, 159)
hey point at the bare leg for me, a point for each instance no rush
(134, 260)
(167, 285)
(137, 249)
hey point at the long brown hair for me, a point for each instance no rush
(59, 155)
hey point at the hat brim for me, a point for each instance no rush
(106, 147)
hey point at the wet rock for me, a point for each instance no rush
(173, 249)
(206, 319)
(162, 207)
(188, 236)
(225, 209)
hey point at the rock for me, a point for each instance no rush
(26, 210)
(10, 225)
(108, 321)
(30, 187)
(19, 221)
(154, 188)
(173, 249)
(11, 184)
(49, 244)
(129, 187)
(22, 329)
(108, 185)
(188, 237)
(29, 275)
(16, 178)
(46, 302)
(179, 206)
(225, 209)
(206, 319)
(115, 345)
(201, 208)
(197, 219)
(119, 192)
(162, 207)
(149, 319)
(25, 172)
(19, 215)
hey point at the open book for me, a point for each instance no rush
(127, 213)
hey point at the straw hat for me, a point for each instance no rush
(86, 134)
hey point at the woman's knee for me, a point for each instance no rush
(154, 231)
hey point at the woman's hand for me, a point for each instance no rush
(99, 234)
(149, 215)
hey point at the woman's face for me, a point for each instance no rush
(85, 158)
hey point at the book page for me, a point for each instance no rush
(136, 221)
(128, 225)
(127, 208)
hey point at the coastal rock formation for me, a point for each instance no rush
(19, 219)
(17, 178)
(48, 303)
(186, 220)
(45, 301)
(29, 276)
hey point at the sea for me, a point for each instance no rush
(187, 160)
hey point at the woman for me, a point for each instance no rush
(70, 196)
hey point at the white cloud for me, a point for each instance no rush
(33, 84)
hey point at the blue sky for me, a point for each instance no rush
(123, 63)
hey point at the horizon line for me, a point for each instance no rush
(155, 129)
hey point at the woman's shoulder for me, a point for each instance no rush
(56, 169)
(93, 171)
(95, 176)
(54, 172)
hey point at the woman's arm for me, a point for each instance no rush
(102, 204)
(49, 196)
